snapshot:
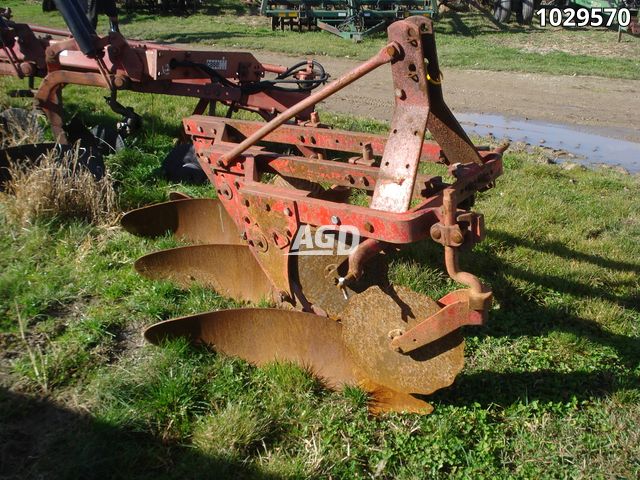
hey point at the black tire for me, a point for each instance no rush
(527, 9)
(181, 165)
(108, 139)
(502, 10)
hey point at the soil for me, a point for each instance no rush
(606, 106)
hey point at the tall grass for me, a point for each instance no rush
(58, 188)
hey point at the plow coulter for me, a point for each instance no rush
(285, 229)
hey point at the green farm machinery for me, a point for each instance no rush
(350, 19)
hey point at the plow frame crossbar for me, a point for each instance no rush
(388, 226)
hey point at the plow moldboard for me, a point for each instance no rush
(195, 220)
(230, 270)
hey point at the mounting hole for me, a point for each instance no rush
(247, 220)
(407, 166)
(395, 130)
(386, 164)
(301, 138)
(412, 67)
(313, 140)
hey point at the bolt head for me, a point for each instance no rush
(335, 220)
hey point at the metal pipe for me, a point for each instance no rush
(386, 55)
(50, 31)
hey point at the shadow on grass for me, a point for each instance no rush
(521, 316)
(487, 388)
(199, 37)
(39, 439)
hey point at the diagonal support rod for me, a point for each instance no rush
(386, 55)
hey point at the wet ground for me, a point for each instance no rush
(589, 146)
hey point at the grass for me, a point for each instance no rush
(551, 387)
(60, 187)
(472, 40)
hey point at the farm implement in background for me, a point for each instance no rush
(307, 218)
(236, 80)
(350, 19)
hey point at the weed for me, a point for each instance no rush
(20, 127)
(62, 189)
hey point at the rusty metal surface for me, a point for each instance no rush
(266, 335)
(312, 137)
(370, 320)
(443, 322)
(195, 220)
(142, 67)
(230, 270)
(401, 156)
(179, 196)
(262, 336)
(444, 127)
(317, 276)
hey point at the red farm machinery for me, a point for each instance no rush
(284, 229)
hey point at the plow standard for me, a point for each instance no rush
(285, 228)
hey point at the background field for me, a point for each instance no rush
(471, 40)
(551, 387)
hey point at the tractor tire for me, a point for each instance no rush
(526, 11)
(502, 10)
(181, 165)
(108, 138)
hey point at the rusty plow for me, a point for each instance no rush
(268, 235)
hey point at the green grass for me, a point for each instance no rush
(550, 389)
(471, 40)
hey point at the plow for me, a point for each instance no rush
(307, 218)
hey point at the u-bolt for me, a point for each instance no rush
(449, 206)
